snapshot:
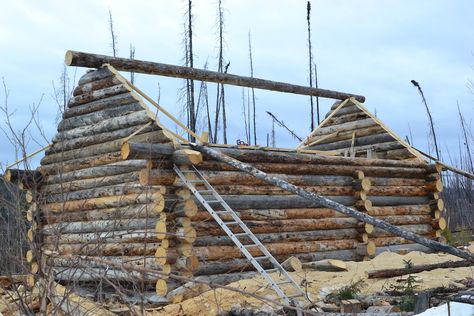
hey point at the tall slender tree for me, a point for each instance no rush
(430, 117)
(220, 96)
(113, 37)
(310, 60)
(253, 95)
(132, 56)
(190, 83)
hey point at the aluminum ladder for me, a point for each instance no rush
(209, 197)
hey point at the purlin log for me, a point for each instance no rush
(82, 59)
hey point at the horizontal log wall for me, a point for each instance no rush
(352, 132)
(91, 202)
(399, 192)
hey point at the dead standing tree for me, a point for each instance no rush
(417, 85)
(220, 97)
(253, 96)
(113, 37)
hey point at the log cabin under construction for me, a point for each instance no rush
(107, 203)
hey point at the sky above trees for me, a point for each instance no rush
(373, 48)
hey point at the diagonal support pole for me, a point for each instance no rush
(325, 202)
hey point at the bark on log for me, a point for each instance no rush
(390, 273)
(28, 178)
(96, 74)
(319, 169)
(347, 118)
(116, 168)
(118, 179)
(134, 119)
(94, 150)
(359, 141)
(331, 204)
(106, 202)
(345, 110)
(119, 189)
(101, 104)
(98, 94)
(257, 155)
(98, 116)
(95, 85)
(81, 163)
(74, 58)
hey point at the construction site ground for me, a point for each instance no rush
(319, 284)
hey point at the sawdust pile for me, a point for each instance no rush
(319, 284)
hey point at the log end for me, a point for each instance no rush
(125, 150)
(68, 58)
(8, 176)
(161, 288)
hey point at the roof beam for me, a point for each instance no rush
(81, 59)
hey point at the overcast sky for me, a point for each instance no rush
(373, 48)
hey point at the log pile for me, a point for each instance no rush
(349, 129)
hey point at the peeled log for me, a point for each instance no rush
(186, 157)
(292, 264)
(330, 265)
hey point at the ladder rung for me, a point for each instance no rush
(203, 191)
(251, 245)
(231, 223)
(219, 212)
(283, 282)
(272, 270)
(212, 201)
(261, 258)
(240, 234)
(296, 295)
(195, 181)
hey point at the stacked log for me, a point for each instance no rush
(91, 203)
(395, 191)
(351, 130)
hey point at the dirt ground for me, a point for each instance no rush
(319, 284)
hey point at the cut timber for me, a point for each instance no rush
(143, 151)
(71, 303)
(331, 204)
(292, 264)
(105, 202)
(81, 59)
(94, 150)
(326, 265)
(186, 157)
(95, 85)
(29, 178)
(367, 249)
(101, 104)
(390, 273)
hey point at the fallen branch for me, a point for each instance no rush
(389, 273)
